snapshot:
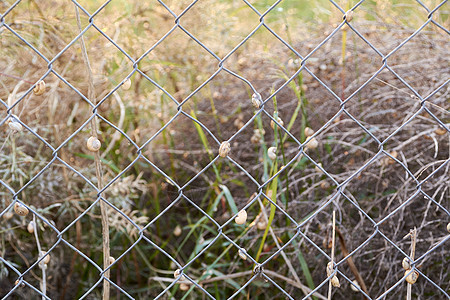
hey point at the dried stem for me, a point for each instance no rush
(333, 240)
(413, 234)
(42, 266)
(98, 168)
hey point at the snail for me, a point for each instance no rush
(242, 253)
(177, 231)
(312, 143)
(39, 89)
(412, 278)
(111, 260)
(348, 16)
(271, 152)
(8, 215)
(20, 209)
(272, 123)
(241, 217)
(406, 264)
(93, 144)
(335, 281)
(256, 100)
(308, 131)
(355, 286)
(46, 259)
(30, 227)
(224, 149)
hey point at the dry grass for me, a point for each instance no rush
(180, 65)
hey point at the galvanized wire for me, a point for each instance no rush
(340, 190)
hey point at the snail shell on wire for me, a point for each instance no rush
(126, 84)
(242, 253)
(406, 264)
(224, 149)
(20, 209)
(412, 278)
(39, 89)
(349, 16)
(46, 259)
(93, 144)
(335, 281)
(256, 100)
(241, 217)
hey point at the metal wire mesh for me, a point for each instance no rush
(299, 226)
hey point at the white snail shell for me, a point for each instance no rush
(312, 144)
(30, 227)
(261, 225)
(20, 209)
(176, 273)
(46, 259)
(224, 149)
(355, 286)
(448, 227)
(242, 253)
(111, 260)
(309, 132)
(241, 217)
(271, 152)
(177, 231)
(93, 144)
(406, 264)
(15, 126)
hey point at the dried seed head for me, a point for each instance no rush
(184, 287)
(242, 253)
(126, 84)
(21, 283)
(309, 132)
(39, 89)
(46, 259)
(271, 152)
(355, 286)
(335, 281)
(176, 273)
(272, 123)
(348, 16)
(256, 100)
(177, 231)
(93, 144)
(312, 144)
(241, 217)
(406, 264)
(224, 149)
(412, 278)
(20, 209)
(8, 215)
(30, 227)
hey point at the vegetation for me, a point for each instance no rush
(173, 199)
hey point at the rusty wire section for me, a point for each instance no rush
(258, 270)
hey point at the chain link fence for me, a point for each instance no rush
(246, 201)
